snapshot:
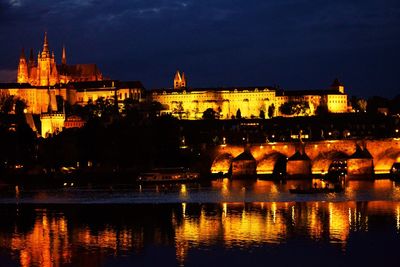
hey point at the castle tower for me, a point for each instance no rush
(22, 75)
(47, 70)
(336, 85)
(179, 80)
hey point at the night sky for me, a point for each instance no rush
(296, 44)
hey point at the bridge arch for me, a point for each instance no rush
(222, 163)
(384, 161)
(272, 163)
(321, 163)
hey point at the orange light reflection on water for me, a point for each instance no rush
(52, 239)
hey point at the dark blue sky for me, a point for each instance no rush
(298, 44)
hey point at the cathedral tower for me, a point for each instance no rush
(179, 80)
(22, 76)
(47, 69)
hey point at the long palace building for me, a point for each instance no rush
(40, 83)
(190, 103)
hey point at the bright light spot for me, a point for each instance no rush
(224, 209)
(183, 209)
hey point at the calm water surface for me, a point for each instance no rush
(222, 223)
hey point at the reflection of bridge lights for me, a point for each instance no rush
(224, 209)
(225, 188)
(183, 209)
(350, 216)
(273, 209)
(17, 193)
(398, 218)
(183, 191)
(293, 217)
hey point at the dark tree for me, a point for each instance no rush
(271, 111)
(209, 114)
(376, 102)
(262, 114)
(238, 114)
(20, 106)
(295, 108)
(6, 103)
(322, 110)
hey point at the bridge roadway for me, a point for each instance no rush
(384, 153)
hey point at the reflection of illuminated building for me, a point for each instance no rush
(49, 243)
(245, 225)
(46, 245)
(54, 239)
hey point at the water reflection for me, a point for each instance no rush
(87, 236)
(217, 191)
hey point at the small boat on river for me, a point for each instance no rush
(169, 175)
(395, 171)
(325, 190)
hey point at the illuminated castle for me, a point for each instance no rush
(43, 86)
(46, 72)
(190, 103)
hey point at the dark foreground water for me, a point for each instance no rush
(219, 224)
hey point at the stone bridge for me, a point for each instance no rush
(319, 156)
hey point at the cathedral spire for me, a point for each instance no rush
(45, 44)
(64, 56)
(22, 56)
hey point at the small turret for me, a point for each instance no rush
(336, 85)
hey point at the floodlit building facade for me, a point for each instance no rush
(248, 102)
(46, 86)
